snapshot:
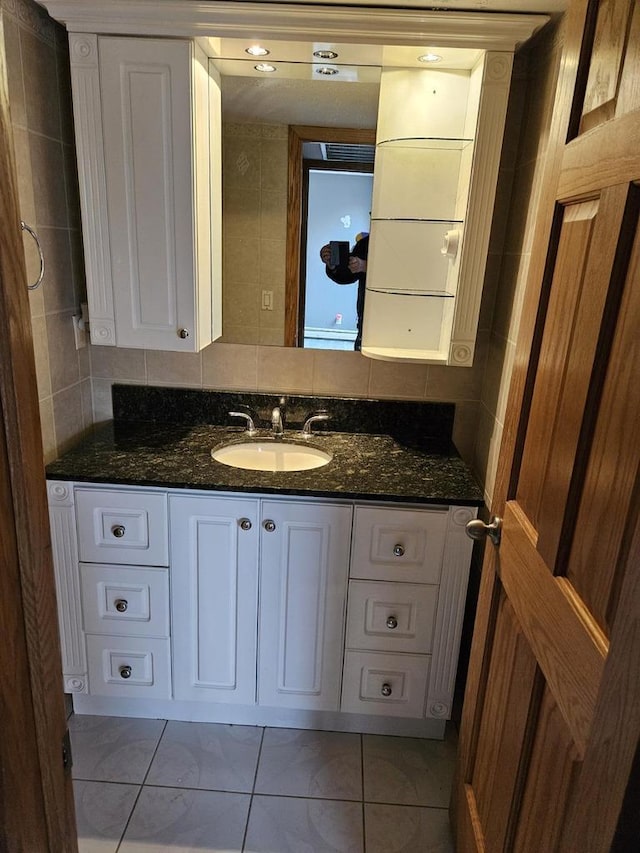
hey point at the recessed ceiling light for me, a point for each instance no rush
(328, 72)
(265, 67)
(429, 57)
(325, 54)
(256, 50)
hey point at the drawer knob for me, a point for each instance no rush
(386, 689)
(269, 525)
(245, 524)
(122, 604)
(392, 623)
(398, 550)
(125, 671)
(118, 530)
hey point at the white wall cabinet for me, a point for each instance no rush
(294, 612)
(147, 119)
(438, 143)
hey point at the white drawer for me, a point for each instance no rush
(122, 527)
(385, 684)
(125, 600)
(398, 545)
(391, 617)
(129, 666)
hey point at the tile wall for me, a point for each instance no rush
(75, 386)
(254, 204)
(530, 109)
(40, 103)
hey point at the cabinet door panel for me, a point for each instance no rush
(214, 598)
(146, 101)
(302, 604)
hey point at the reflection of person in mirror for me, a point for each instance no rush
(357, 272)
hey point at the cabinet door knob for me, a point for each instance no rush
(269, 525)
(245, 524)
(121, 605)
(398, 550)
(125, 672)
(118, 530)
(392, 622)
(183, 333)
(386, 689)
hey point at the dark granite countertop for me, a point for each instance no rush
(175, 455)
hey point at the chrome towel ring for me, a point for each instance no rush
(28, 228)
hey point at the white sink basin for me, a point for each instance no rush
(271, 456)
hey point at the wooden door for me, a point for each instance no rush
(551, 722)
(214, 597)
(303, 589)
(36, 796)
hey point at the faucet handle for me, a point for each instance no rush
(251, 429)
(312, 419)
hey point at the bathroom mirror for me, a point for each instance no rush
(270, 129)
(268, 117)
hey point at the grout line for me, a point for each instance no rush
(253, 788)
(126, 826)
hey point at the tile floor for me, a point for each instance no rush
(149, 786)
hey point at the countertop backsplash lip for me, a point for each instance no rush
(414, 423)
(170, 447)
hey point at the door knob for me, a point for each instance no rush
(477, 529)
(392, 623)
(245, 524)
(398, 550)
(121, 605)
(269, 525)
(125, 672)
(386, 689)
(118, 530)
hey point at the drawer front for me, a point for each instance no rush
(398, 545)
(385, 684)
(125, 600)
(122, 527)
(129, 666)
(391, 617)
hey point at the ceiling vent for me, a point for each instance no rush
(347, 153)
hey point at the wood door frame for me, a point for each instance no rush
(308, 166)
(298, 135)
(36, 795)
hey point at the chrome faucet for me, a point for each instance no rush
(251, 429)
(315, 418)
(277, 422)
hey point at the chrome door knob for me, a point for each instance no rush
(245, 524)
(398, 550)
(386, 689)
(121, 605)
(183, 333)
(477, 529)
(269, 526)
(118, 530)
(125, 672)
(392, 623)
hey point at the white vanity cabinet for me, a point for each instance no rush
(147, 116)
(283, 611)
(112, 577)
